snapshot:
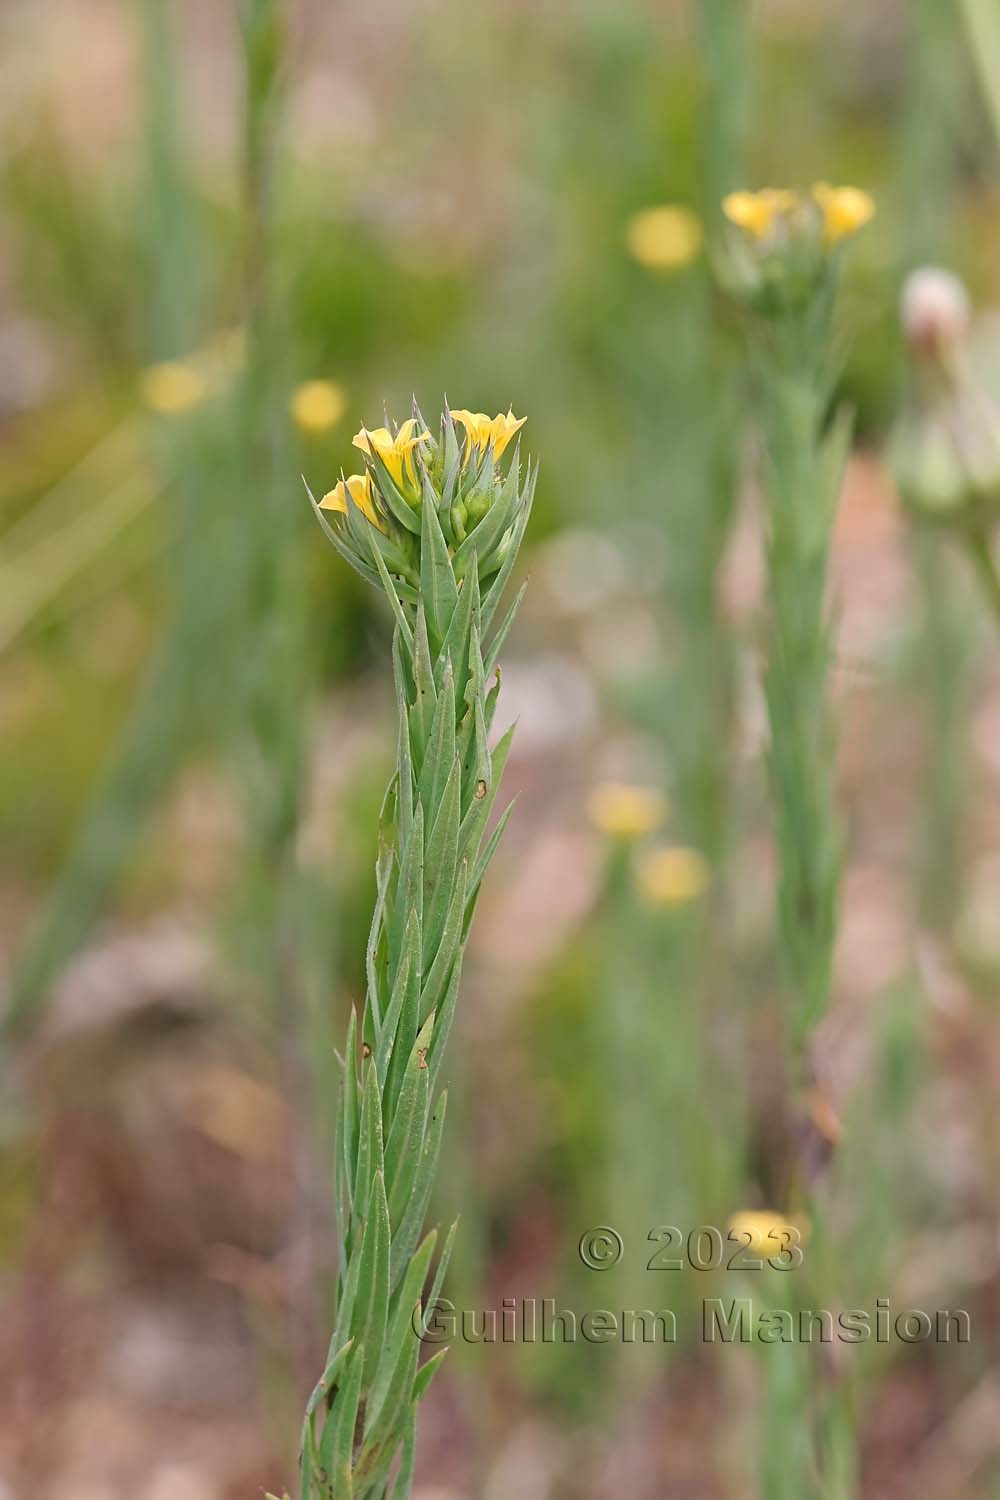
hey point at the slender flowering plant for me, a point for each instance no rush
(436, 524)
(781, 263)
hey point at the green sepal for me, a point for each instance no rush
(401, 509)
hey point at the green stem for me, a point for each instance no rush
(982, 24)
(980, 552)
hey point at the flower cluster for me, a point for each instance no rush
(419, 497)
(665, 875)
(784, 243)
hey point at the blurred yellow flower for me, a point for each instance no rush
(757, 213)
(665, 238)
(317, 405)
(845, 210)
(625, 812)
(359, 488)
(770, 1232)
(395, 452)
(172, 387)
(482, 430)
(670, 877)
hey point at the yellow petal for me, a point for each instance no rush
(317, 405)
(666, 238)
(757, 213)
(625, 812)
(375, 439)
(672, 877)
(845, 210)
(769, 1232)
(482, 430)
(359, 488)
(172, 387)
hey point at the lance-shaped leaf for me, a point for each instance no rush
(437, 581)
(441, 862)
(426, 1374)
(408, 1232)
(336, 1456)
(371, 1302)
(421, 714)
(440, 746)
(404, 1000)
(406, 1135)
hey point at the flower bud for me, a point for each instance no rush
(934, 311)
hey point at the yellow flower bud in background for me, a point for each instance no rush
(317, 405)
(172, 387)
(481, 431)
(845, 210)
(757, 214)
(359, 488)
(395, 452)
(625, 812)
(666, 238)
(770, 1232)
(672, 877)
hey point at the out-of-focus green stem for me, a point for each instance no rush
(982, 23)
(167, 702)
(980, 551)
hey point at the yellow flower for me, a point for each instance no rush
(757, 213)
(670, 877)
(665, 238)
(395, 452)
(770, 1232)
(845, 210)
(481, 430)
(317, 405)
(625, 812)
(172, 387)
(359, 488)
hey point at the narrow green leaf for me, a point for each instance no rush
(421, 715)
(403, 1488)
(503, 630)
(451, 934)
(408, 1232)
(400, 1333)
(442, 1024)
(406, 1134)
(426, 1374)
(372, 1299)
(401, 1003)
(437, 581)
(441, 862)
(440, 746)
(338, 1447)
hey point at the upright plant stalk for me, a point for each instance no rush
(437, 527)
(152, 740)
(783, 267)
(944, 654)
